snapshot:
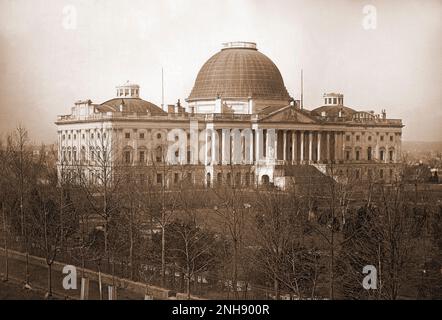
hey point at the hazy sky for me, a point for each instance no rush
(45, 68)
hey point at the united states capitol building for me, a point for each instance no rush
(238, 126)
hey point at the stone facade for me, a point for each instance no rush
(233, 142)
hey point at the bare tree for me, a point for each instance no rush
(20, 162)
(99, 178)
(231, 209)
(44, 214)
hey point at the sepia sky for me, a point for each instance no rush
(45, 66)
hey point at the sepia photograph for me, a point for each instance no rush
(230, 157)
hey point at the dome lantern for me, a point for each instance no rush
(128, 90)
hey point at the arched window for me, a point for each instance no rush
(390, 155)
(382, 155)
(127, 156)
(142, 156)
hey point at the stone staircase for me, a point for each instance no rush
(314, 175)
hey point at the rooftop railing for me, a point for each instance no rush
(209, 117)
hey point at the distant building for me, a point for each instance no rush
(243, 126)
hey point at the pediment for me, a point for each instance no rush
(290, 114)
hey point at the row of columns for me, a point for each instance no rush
(299, 146)
(273, 146)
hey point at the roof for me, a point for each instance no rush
(130, 105)
(333, 111)
(271, 109)
(239, 73)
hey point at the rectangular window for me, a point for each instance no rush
(347, 138)
(357, 155)
(159, 178)
(176, 178)
(381, 155)
(127, 135)
(141, 157)
(391, 155)
(391, 138)
(381, 173)
(382, 138)
(358, 138)
(347, 155)
(142, 135)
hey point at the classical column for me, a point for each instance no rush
(343, 146)
(206, 148)
(328, 146)
(310, 147)
(275, 144)
(258, 145)
(302, 147)
(225, 146)
(214, 158)
(284, 143)
(194, 139)
(271, 145)
(319, 147)
(248, 140)
(294, 147)
(376, 156)
(339, 146)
